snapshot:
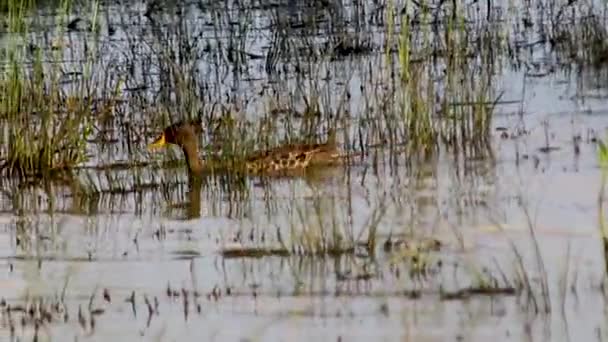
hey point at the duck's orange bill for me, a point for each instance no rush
(158, 143)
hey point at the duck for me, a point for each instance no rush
(283, 160)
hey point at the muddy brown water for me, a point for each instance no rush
(138, 245)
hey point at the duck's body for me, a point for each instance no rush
(282, 160)
(292, 158)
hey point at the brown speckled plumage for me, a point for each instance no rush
(281, 160)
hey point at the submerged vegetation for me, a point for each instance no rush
(409, 92)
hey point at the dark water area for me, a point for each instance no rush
(497, 234)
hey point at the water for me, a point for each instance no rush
(482, 210)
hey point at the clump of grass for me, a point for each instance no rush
(455, 108)
(45, 130)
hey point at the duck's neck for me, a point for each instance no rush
(195, 168)
(195, 165)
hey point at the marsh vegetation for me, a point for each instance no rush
(472, 192)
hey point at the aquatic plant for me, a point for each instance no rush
(46, 130)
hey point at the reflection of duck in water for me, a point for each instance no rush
(282, 160)
(285, 160)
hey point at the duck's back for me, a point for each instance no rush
(292, 157)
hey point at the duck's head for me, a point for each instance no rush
(182, 134)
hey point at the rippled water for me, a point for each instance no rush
(482, 210)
